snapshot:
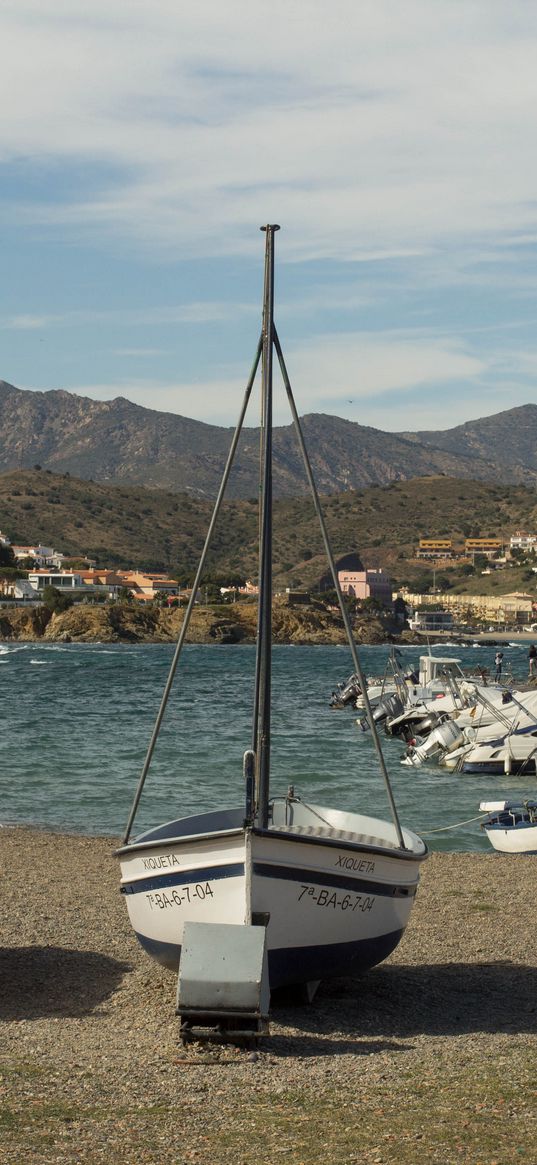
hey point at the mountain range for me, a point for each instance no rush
(119, 443)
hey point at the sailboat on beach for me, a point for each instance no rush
(332, 889)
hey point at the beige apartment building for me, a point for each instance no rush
(487, 546)
(435, 548)
(508, 610)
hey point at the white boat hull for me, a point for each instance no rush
(512, 754)
(513, 839)
(511, 828)
(331, 905)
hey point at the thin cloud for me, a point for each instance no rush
(201, 312)
(396, 145)
(23, 323)
(421, 135)
(323, 375)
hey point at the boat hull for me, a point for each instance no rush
(359, 903)
(183, 881)
(331, 907)
(496, 768)
(519, 839)
(512, 828)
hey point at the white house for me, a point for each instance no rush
(62, 579)
(522, 541)
(42, 555)
(21, 590)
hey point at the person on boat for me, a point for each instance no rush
(498, 659)
(532, 661)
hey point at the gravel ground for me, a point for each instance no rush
(430, 1057)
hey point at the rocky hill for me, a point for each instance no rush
(509, 438)
(120, 623)
(120, 443)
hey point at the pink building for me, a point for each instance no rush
(366, 584)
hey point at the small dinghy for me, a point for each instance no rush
(511, 826)
(331, 891)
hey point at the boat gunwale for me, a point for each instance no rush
(508, 826)
(176, 839)
(324, 840)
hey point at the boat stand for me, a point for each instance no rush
(223, 989)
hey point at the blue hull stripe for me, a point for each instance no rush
(301, 964)
(265, 870)
(497, 767)
(183, 878)
(491, 768)
(320, 878)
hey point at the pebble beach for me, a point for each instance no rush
(431, 1056)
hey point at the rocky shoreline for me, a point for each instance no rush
(431, 1056)
(234, 623)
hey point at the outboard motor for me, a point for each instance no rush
(445, 738)
(387, 707)
(424, 726)
(346, 693)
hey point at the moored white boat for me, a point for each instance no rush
(435, 677)
(456, 740)
(333, 889)
(442, 690)
(514, 753)
(511, 826)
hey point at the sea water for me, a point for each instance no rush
(76, 720)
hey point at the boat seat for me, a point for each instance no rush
(344, 835)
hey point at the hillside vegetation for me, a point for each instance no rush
(159, 530)
(119, 443)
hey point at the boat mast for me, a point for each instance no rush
(262, 698)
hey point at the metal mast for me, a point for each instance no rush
(262, 699)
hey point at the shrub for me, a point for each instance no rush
(55, 600)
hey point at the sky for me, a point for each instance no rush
(144, 142)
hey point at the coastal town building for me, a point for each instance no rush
(103, 582)
(445, 551)
(431, 620)
(295, 598)
(249, 588)
(61, 579)
(366, 584)
(146, 586)
(18, 590)
(502, 610)
(71, 581)
(42, 556)
(433, 548)
(522, 541)
(487, 546)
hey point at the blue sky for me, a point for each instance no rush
(143, 142)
